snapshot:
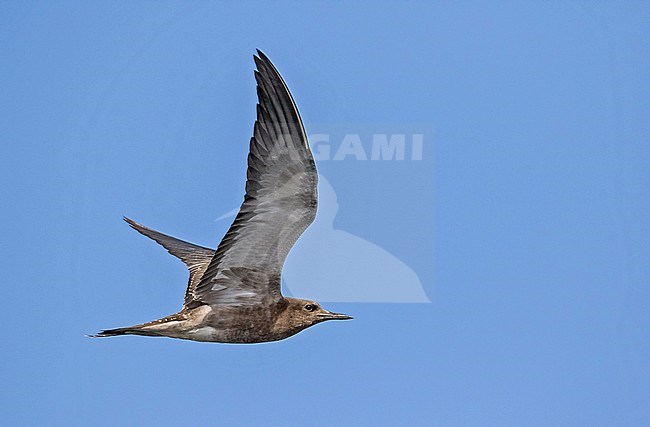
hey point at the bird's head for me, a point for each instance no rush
(306, 313)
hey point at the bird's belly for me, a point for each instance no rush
(203, 333)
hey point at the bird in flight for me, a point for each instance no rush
(233, 294)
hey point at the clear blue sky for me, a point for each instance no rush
(526, 220)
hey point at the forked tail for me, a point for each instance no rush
(132, 330)
(110, 333)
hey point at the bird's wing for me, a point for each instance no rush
(279, 204)
(196, 258)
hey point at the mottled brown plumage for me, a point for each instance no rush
(233, 293)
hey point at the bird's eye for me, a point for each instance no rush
(310, 307)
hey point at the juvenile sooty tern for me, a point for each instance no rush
(233, 294)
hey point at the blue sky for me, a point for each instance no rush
(526, 219)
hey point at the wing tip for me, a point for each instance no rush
(261, 54)
(131, 223)
(263, 63)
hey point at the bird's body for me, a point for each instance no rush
(233, 293)
(256, 324)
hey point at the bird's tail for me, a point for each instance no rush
(111, 333)
(155, 328)
(131, 330)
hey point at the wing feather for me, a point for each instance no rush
(279, 204)
(196, 258)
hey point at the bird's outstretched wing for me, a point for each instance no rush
(196, 258)
(279, 204)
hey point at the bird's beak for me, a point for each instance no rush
(334, 316)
